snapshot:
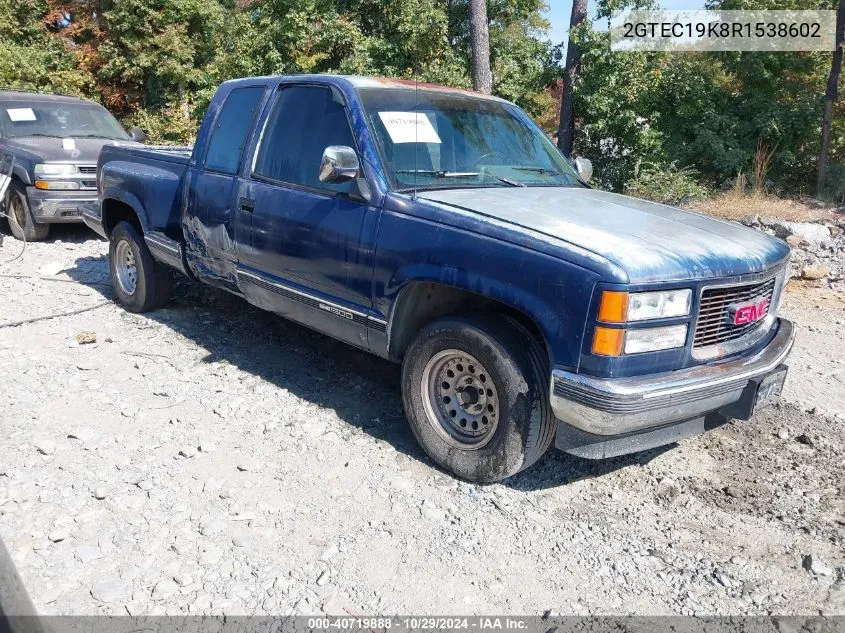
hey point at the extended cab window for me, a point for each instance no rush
(233, 124)
(305, 121)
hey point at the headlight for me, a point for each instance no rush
(622, 307)
(615, 341)
(49, 169)
(654, 339)
(56, 185)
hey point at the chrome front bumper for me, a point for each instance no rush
(54, 207)
(615, 406)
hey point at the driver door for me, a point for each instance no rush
(310, 252)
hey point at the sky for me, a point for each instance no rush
(559, 10)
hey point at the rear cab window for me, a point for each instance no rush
(229, 136)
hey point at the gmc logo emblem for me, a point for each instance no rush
(748, 312)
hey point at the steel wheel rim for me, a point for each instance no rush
(460, 399)
(17, 209)
(125, 267)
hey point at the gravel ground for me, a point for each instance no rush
(211, 458)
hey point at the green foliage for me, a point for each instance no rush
(168, 126)
(667, 184)
(699, 116)
(29, 58)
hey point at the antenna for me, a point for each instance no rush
(416, 129)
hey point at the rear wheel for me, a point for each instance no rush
(21, 223)
(475, 393)
(141, 283)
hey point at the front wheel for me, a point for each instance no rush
(141, 284)
(475, 393)
(21, 223)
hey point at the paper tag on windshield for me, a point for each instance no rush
(21, 114)
(409, 127)
(68, 143)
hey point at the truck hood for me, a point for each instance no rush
(648, 241)
(50, 149)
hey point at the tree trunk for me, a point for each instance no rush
(482, 78)
(566, 129)
(830, 97)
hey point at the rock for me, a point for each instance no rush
(45, 446)
(323, 578)
(335, 605)
(110, 589)
(207, 447)
(783, 434)
(212, 485)
(86, 337)
(726, 582)
(815, 271)
(100, 493)
(240, 541)
(51, 269)
(209, 527)
(804, 439)
(249, 466)
(430, 511)
(331, 552)
(183, 579)
(814, 565)
(164, 589)
(87, 553)
(750, 219)
(58, 534)
(733, 491)
(794, 241)
(807, 231)
(188, 452)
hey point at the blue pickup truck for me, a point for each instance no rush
(442, 230)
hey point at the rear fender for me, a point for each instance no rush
(114, 193)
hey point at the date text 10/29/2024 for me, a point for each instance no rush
(421, 623)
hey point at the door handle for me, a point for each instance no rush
(246, 204)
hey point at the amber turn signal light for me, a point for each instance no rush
(42, 184)
(608, 341)
(613, 307)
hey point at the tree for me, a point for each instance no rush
(830, 97)
(482, 77)
(566, 129)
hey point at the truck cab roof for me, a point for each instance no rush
(364, 82)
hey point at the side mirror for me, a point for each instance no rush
(584, 168)
(339, 164)
(137, 134)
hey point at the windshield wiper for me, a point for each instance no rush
(439, 173)
(457, 174)
(539, 170)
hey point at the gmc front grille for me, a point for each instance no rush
(714, 324)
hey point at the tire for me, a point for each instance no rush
(140, 283)
(18, 214)
(495, 363)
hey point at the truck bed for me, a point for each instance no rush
(148, 179)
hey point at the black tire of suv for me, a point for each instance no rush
(154, 281)
(29, 230)
(517, 367)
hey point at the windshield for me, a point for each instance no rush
(59, 119)
(439, 140)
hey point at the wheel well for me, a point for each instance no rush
(115, 211)
(420, 303)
